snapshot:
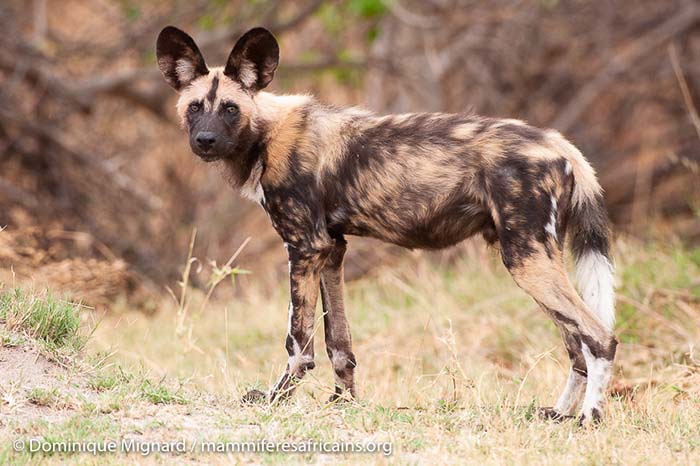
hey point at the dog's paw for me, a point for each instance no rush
(551, 414)
(340, 396)
(254, 397)
(590, 418)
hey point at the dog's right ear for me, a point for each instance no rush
(179, 59)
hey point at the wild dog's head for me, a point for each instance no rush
(216, 105)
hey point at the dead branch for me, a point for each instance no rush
(685, 90)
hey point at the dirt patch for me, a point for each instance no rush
(33, 387)
(25, 366)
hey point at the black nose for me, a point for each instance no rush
(205, 140)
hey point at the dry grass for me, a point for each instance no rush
(452, 360)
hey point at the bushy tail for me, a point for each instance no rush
(590, 230)
(594, 271)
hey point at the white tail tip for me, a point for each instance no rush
(596, 284)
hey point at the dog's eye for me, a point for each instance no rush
(194, 108)
(232, 108)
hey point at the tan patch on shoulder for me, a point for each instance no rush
(285, 116)
(284, 136)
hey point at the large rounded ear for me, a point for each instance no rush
(254, 59)
(179, 59)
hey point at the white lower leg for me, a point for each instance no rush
(570, 397)
(599, 372)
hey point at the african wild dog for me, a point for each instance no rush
(417, 180)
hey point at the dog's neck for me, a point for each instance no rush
(277, 117)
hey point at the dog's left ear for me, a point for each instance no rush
(254, 59)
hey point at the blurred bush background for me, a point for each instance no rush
(99, 191)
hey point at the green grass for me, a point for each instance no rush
(43, 397)
(159, 393)
(102, 381)
(53, 322)
(9, 339)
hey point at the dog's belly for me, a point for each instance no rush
(420, 227)
(436, 233)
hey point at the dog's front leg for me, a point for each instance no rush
(304, 276)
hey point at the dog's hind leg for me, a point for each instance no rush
(539, 270)
(571, 397)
